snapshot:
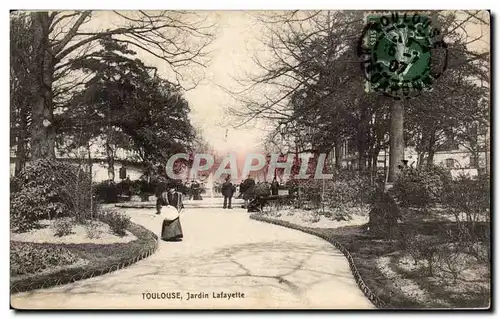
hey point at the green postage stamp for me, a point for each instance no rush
(402, 54)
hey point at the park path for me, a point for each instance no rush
(222, 251)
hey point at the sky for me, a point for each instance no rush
(233, 48)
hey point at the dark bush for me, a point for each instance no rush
(348, 188)
(345, 190)
(421, 187)
(384, 214)
(117, 222)
(124, 188)
(140, 186)
(48, 189)
(106, 192)
(28, 258)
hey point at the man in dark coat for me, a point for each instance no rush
(274, 187)
(196, 189)
(227, 191)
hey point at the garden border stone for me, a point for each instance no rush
(374, 299)
(70, 275)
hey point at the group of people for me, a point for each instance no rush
(193, 190)
(251, 192)
(169, 202)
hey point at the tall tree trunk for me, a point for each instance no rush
(42, 130)
(111, 162)
(396, 140)
(20, 155)
(338, 152)
(487, 150)
(431, 147)
(369, 158)
(421, 159)
(22, 140)
(110, 156)
(362, 138)
(89, 157)
(374, 159)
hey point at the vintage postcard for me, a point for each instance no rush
(250, 159)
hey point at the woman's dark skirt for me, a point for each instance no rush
(171, 230)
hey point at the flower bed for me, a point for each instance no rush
(72, 262)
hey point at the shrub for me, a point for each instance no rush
(106, 192)
(63, 227)
(48, 189)
(118, 222)
(349, 188)
(92, 229)
(421, 187)
(469, 199)
(28, 258)
(384, 214)
(139, 187)
(341, 214)
(453, 260)
(422, 248)
(346, 189)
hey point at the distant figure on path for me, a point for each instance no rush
(228, 190)
(247, 189)
(196, 190)
(274, 187)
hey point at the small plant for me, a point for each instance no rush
(92, 230)
(118, 222)
(312, 217)
(421, 248)
(62, 227)
(452, 260)
(341, 213)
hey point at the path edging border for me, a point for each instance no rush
(374, 299)
(67, 276)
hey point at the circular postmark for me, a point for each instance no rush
(402, 54)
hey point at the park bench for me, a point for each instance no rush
(270, 202)
(124, 197)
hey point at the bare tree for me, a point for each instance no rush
(62, 40)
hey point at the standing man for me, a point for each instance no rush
(274, 186)
(196, 188)
(227, 192)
